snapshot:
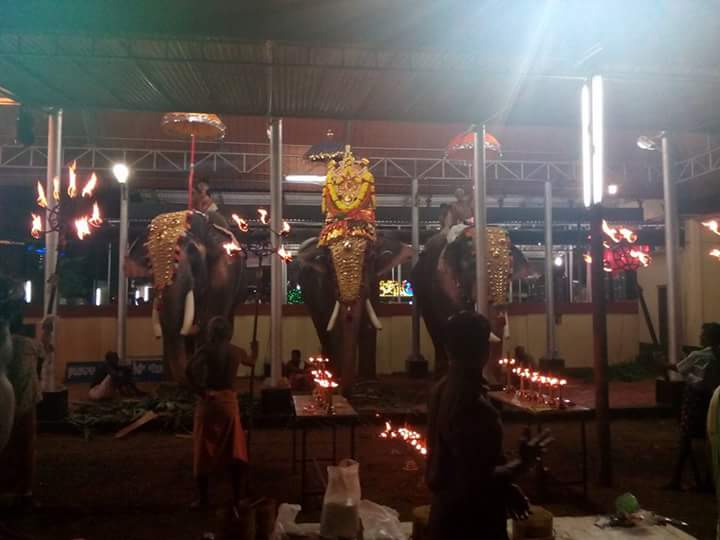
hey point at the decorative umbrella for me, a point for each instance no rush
(461, 146)
(327, 149)
(196, 126)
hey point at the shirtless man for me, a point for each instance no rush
(218, 436)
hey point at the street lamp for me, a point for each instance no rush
(122, 172)
(672, 242)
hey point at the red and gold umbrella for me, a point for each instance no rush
(202, 126)
(461, 146)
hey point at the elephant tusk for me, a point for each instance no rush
(189, 314)
(157, 329)
(334, 316)
(494, 339)
(373, 316)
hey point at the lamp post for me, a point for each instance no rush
(672, 242)
(593, 172)
(122, 172)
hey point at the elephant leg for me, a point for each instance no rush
(367, 368)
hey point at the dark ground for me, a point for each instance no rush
(138, 488)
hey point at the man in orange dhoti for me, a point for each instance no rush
(218, 436)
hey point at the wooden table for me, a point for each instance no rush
(307, 417)
(538, 415)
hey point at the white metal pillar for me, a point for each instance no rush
(415, 215)
(54, 170)
(122, 291)
(479, 183)
(276, 272)
(549, 275)
(672, 245)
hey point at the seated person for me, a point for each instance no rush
(294, 371)
(692, 367)
(470, 481)
(111, 379)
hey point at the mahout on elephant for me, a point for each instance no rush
(340, 270)
(194, 277)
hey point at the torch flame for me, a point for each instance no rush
(713, 225)
(619, 234)
(72, 180)
(56, 188)
(36, 229)
(715, 253)
(285, 228)
(90, 186)
(263, 216)
(82, 227)
(587, 258)
(95, 220)
(231, 247)
(641, 256)
(284, 255)
(41, 199)
(241, 223)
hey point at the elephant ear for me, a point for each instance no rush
(314, 256)
(391, 253)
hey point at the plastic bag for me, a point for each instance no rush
(380, 522)
(285, 522)
(340, 511)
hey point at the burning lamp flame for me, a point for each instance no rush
(284, 255)
(263, 215)
(90, 186)
(619, 234)
(72, 180)
(41, 199)
(715, 253)
(95, 220)
(240, 222)
(713, 225)
(641, 256)
(231, 247)
(56, 188)
(82, 227)
(587, 258)
(285, 228)
(37, 228)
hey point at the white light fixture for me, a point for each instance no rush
(98, 296)
(146, 293)
(28, 292)
(121, 172)
(305, 179)
(647, 143)
(586, 145)
(598, 138)
(612, 189)
(558, 260)
(137, 294)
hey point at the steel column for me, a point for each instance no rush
(480, 184)
(276, 272)
(122, 290)
(415, 216)
(54, 170)
(549, 276)
(672, 233)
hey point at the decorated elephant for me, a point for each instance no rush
(9, 309)
(340, 269)
(197, 273)
(444, 281)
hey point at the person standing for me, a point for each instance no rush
(218, 437)
(470, 481)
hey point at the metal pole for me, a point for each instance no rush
(276, 287)
(600, 347)
(109, 270)
(549, 275)
(672, 242)
(415, 216)
(122, 279)
(54, 166)
(479, 183)
(571, 273)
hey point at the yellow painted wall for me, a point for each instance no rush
(88, 338)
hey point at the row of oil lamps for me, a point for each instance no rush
(407, 435)
(325, 384)
(533, 385)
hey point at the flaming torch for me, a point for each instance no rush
(715, 253)
(241, 223)
(95, 220)
(285, 228)
(56, 188)
(284, 255)
(82, 227)
(263, 215)
(72, 180)
(90, 186)
(37, 228)
(41, 199)
(713, 225)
